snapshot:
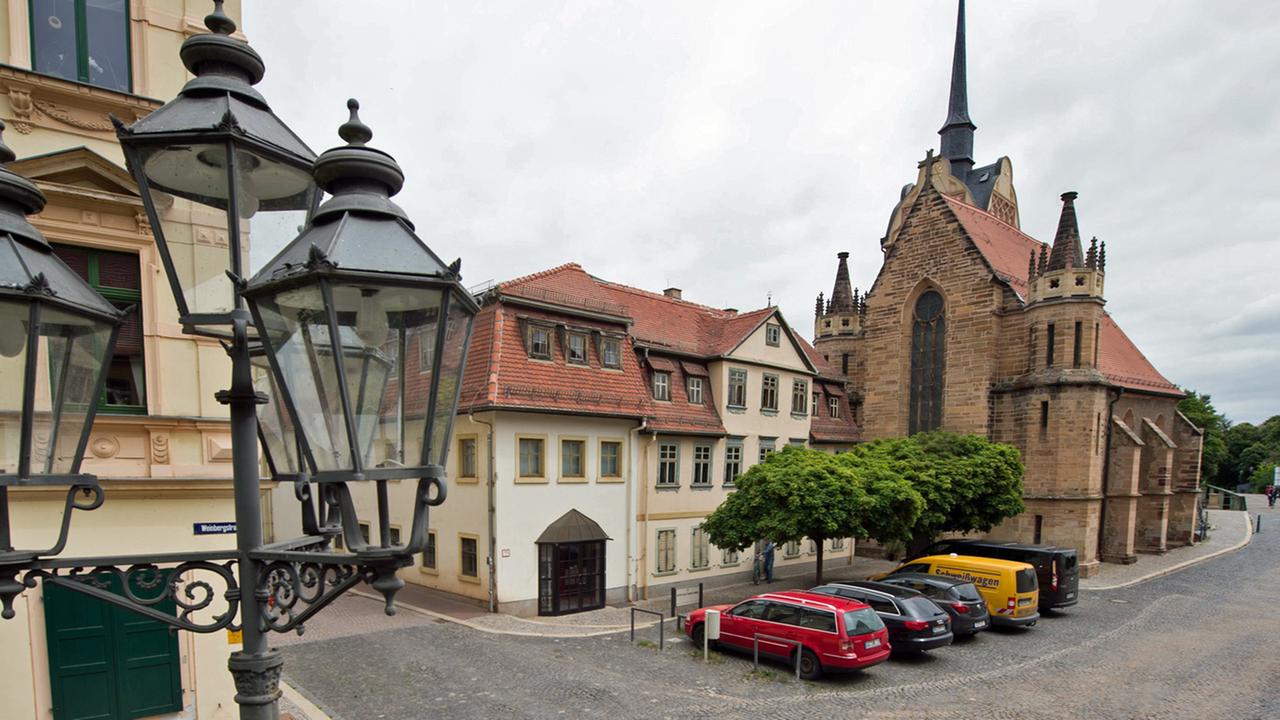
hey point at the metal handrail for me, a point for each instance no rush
(1230, 498)
(755, 650)
(661, 625)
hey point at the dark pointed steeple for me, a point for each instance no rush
(1067, 252)
(957, 133)
(842, 293)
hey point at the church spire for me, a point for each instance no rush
(1067, 251)
(842, 293)
(957, 133)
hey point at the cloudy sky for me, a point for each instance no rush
(732, 148)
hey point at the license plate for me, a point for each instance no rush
(980, 623)
(937, 629)
(1022, 602)
(871, 644)
(1070, 595)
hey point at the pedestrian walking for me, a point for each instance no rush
(767, 553)
(1272, 493)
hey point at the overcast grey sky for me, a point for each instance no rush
(732, 148)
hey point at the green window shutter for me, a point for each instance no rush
(108, 662)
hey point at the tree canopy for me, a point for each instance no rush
(897, 490)
(1200, 411)
(967, 482)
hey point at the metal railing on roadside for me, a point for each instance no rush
(755, 650)
(661, 625)
(1218, 498)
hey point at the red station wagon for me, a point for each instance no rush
(835, 633)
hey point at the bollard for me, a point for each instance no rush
(673, 602)
(700, 604)
(1258, 527)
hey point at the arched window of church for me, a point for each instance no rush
(928, 343)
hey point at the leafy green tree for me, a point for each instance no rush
(1262, 477)
(1200, 411)
(801, 493)
(968, 483)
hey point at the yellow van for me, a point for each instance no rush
(1009, 587)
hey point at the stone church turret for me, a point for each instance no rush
(842, 314)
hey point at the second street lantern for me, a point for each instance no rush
(367, 330)
(219, 149)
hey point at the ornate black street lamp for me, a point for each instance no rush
(356, 341)
(56, 337)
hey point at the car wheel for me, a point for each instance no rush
(810, 668)
(699, 632)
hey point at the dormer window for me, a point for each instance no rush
(694, 389)
(661, 386)
(772, 334)
(539, 342)
(611, 353)
(576, 349)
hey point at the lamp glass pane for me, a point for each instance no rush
(14, 317)
(374, 318)
(196, 227)
(449, 370)
(274, 423)
(295, 323)
(71, 357)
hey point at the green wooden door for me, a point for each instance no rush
(106, 662)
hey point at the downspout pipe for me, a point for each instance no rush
(491, 493)
(628, 519)
(1106, 472)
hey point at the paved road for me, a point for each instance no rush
(1201, 643)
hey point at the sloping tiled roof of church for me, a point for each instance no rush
(1007, 249)
(663, 333)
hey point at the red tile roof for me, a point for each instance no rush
(1124, 364)
(666, 334)
(1005, 247)
(1008, 251)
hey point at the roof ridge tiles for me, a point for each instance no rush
(541, 274)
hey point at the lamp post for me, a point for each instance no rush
(355, 335)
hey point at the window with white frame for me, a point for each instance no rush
(668, 465)
(769, 393)
(817, 401)
(767, 446)
(728, 557)
(665, 557)
(837, 544)
(611, 353)
(469, 557)
(539, 342)
(772, 334)
(571, 457)
(791, 549)
(531, 457)
(732, 460)
(661, 385)
(576, 349)
(799, 397)
(737, 388)
(833, 406)
(610, 459)
(699, 550)
(813, 547)
(467, 457)
(693, 387)
(702, 465)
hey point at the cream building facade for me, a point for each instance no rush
(597, 425)
(161, 443)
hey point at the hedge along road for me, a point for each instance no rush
(1202, 642)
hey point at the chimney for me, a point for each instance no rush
(731, 311)
(673, 293)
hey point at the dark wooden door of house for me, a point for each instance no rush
(570, 577)
(108, 663)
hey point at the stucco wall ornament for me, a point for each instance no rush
(20, 104)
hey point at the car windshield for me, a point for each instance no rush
(967, 591)
(861, 622)
(1027, 580)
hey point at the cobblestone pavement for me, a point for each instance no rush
(1228, 529)
(1198, 643)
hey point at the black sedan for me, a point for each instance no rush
(915, 623)
(958, 598)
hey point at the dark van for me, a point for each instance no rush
(1057, 568)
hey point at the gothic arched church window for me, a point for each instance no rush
(928, 343)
